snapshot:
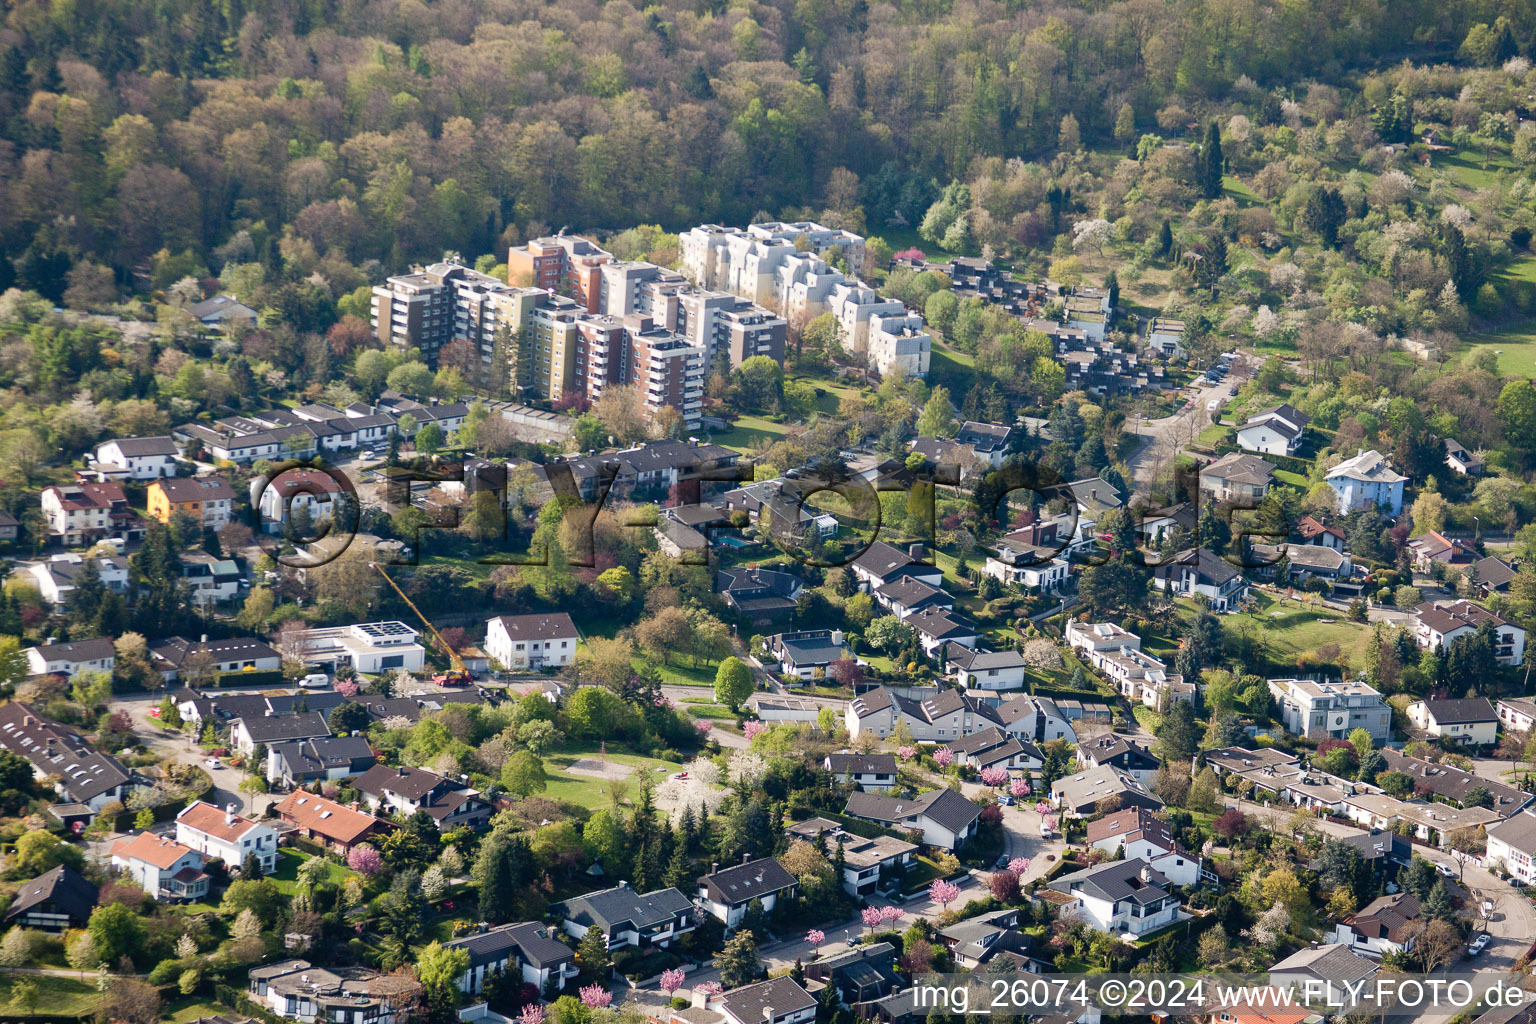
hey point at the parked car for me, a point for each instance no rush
(1446, 870)
(315, 681)
(1477, 945)
(213, 762)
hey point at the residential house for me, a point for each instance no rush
(943, 817)
(1331, 710)
(1029, 559)
(1518, 714)
(937, 627)
(1093, 639)
(405, 791)
(979, 940)
(1277, 430)
(246, 734)
(1472, 720)
(759, 594)
(945, 716)
(976, 668)
(1120, 897)
(802, 653)
(1453, 784)
(1288, 562)
(302, 494)
(208, 499)
(336, 827)
(994, 748)
(210, 579)
(71, 658)
(880, 563)
(775, 708)
(1168, 523)
(137, 458)
(629, 918)
(226, 836)
(1438, 624)
(217, 312)
(988, 441)
(161, 867)
(867, 771)
(1143, 836)
(10, 528)
(728, 893)
(775, 1001)
(59, 756)
(1334, 965)
(537, 642)
(296, 763)
(1433, 546)
(1512, 845)
(1239, 478)
(53, 902)
(297, 990)
(908, 595)
(1080, 795)
(867, 863)
(81, 514)
(1199, 572)
(859, 975)
(1383, 852)
(175, 655)
(1165, 336)
(1492, 575)
(1144, 679)
(1121, 752)
(1314, 531)
(368, 647)
(1240, 760)
(1035, 719)
(1385, 925)
(1460, 460)
(1367, 479)
(526, 950)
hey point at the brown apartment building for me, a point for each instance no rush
(562, 263)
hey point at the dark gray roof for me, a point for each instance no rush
(1133, 880)
(175, 650)
(324, 754)
(140, 447)
(621, 905)
(411, 783)
(1493, 572)
(778, 996)
(84, 773)
(323, 701)
(941, 623)
(977, 659)
(862, 764)
(63, 887)
(1453, 783)
(1518, 831)
(531, 942)
(944, 806)
(79, 650)
(1119, 751)
(1334, 962)
(1463, 711)
(886, 561)
(745, 882)
(808, 647)
(542, 626)
(265, 729)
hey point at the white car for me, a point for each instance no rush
(1477, 945)
(1446, 870)
(214, 762)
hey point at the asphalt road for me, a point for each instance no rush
(168, 744)
(1163, 438)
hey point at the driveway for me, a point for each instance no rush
(1162, 439)
(168, 744)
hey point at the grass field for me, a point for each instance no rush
(679, 673)
(1297, 630)
(1285, 476)
(748, 431)
(287, 874)
(590, 791)
(1515, 345)
(55, 994)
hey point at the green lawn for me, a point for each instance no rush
(951, 368)
(1285, 476)
(54, 994)
(748, 431)
(287, 874)
(1297, 630)
(591, 791)
(1515, 345)
(1467, 167)
(188, 1009)
(679, 673)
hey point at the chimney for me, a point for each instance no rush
(714, 866)
(229, 814)
(204, 639)
(915, 550)
(837, 638)
(746, 857)
(270, 713)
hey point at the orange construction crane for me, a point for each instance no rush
(458, 675)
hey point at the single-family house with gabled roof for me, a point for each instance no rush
(1237, 477)
(540, 641)
(727, 892)
(162, 867)
(1120, 897)
(1036, 719)
(1461, 460)
(629, 918)
(987, 440)
(1120, 752)
(1367, 479)
(1387, 924)
(979, 669)
(939, 626)
(1334, 963)
(1277, 430)
(880, 563)
(1469, 720)
(136, 458)
(227, 836)
(1433, 546)
(867, 771)
(1144, 836)
(54, 902)
(79, 773)
(526, 950)
(298, 763)
(1438, 624)
(69, 658)
(943, 817)
(405, 791)
(1492, 574)
(1512, 844)
(994, 747)
(801, 653)
(1082, 794)
(334, 825)
(246, 734)
(775, 1001)
(760, 594)
(1197, 571)
(1314, 531)
(908, 595)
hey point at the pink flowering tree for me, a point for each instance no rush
(1041, 807)
(347, 688)
(596, 996)
(365, 860)
(709, 989)
(994, 776)
(943, 893)
(671, 981)
(1019, 788)
(1019, 865)
(704, 727)
(872, 917)
(1051, 822)
(914, 253)
(906, 753)
(752, 730)
(816, 937)
(533, 1013)
(943, 757)
(889, 915)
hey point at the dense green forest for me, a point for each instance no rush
(178, 137)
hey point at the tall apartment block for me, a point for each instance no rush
(429, 308)
(723, 325)
(562, 263)
(743, 261)
(899, 341)
(854, 304)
